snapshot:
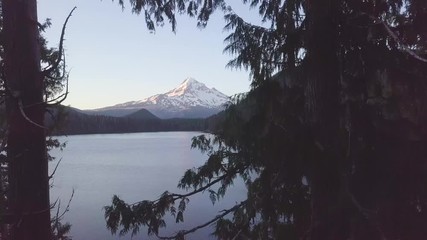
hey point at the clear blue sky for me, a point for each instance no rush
(113, 58)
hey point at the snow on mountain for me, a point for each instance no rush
(191, 99)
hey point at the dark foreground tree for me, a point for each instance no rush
(26, 91)
(331, 139)
(26, 146)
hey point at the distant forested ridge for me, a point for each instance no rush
(73, 121)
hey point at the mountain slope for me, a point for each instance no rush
(142, 114)
(191, 99)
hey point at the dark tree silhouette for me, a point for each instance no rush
(26, 91)
(26, 144)
(329, 141)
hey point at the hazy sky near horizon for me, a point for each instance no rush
(113, 58)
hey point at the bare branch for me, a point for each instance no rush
(67, 208)
(396, 38)
(407, 49)
(52, 206)
(58, 216)
(61, 46)
(21, 109)
(54, 170)
(56, 219)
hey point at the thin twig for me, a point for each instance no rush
(67, 208)
(58, 216)
(56, 220)
(237, 234)
(52, 206)
(54, 170)
(4, 140)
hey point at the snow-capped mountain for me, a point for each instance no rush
(191, 99)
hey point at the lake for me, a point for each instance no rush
(136, 166)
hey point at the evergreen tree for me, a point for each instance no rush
(28, 188)
(26, 91)
(331, 139)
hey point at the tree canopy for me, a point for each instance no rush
(330, 141)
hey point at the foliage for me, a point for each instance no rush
(329, 141)
(156, 12)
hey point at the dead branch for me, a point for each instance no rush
(67, 208)
(47, 72)
(397, 40)
(21, 109)
(54, 170)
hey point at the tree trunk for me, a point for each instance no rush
(26, 144)
(323, 112)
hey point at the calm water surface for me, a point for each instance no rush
(136, 167)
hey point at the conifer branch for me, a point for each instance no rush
(61, 98)
(176, 196)
(62, 74)
(119, 209)
(182, 233)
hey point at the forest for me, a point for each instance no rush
(67, 121)
(330, 141)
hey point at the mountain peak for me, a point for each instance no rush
(189, 80)
(190, 99)
(188, 85)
